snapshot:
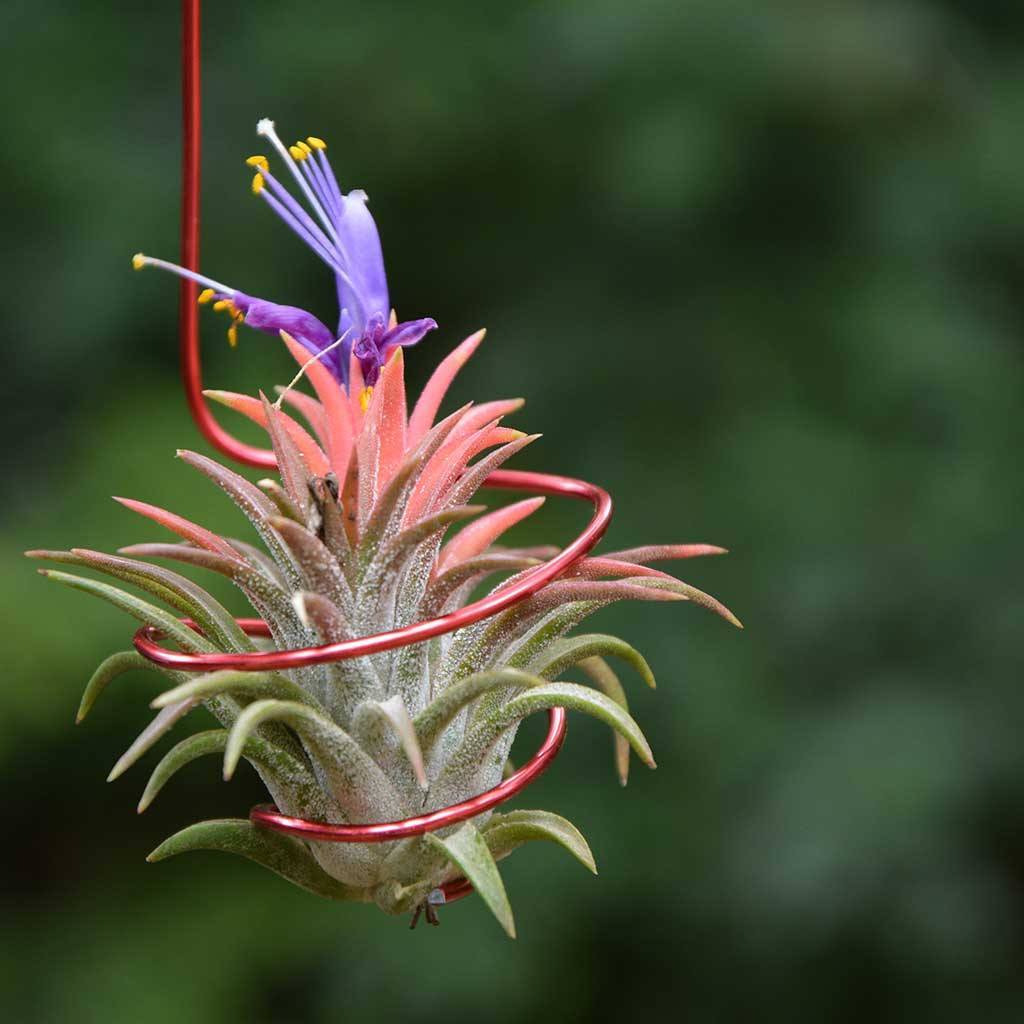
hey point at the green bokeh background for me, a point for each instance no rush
(757, 269)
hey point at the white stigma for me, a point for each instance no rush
(264, 126)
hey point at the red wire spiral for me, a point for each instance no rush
(146, 639)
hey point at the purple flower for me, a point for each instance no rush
(340, 230)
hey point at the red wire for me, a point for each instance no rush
(188, 313)
(271, 818)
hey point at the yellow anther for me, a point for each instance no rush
(315, 142)
(364, 398)
(233, 335)
(257, 184)
(305, 149)
(258, 161)
(205, 295)
(138, 261)
(297, 154)
(221, 304)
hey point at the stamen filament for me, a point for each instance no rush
(287, 201)
(331, 178)
(327, 255)
(266, 128)
(315, 176)
(139, 261)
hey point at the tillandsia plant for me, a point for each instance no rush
(353, 543)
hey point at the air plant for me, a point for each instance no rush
(354, 535)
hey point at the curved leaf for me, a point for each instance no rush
(507, 832)
(276, 762)
(349, 773)
(565, 653)
(437, 715)
(236, 684)
(393, 715)
(281, 854)
(162, 722)
(468, 851)
(482, 736)
(108, 670)
(173, 589)
(145, 612)
(605, 679)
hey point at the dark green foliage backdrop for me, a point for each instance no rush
(757, 269)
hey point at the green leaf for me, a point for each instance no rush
(145, 612)
(281, 854)
(507, 832)
(393, 715)
(237, 684)
(436, 716)
(257, 751)
(607, 682)
(114, 666)
(468, 851)
(563, 654)
(162, 722)
(173, 589)
(483, 736)
(347, 771)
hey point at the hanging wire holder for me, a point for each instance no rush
(147, 639)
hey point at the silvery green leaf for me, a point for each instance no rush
(482, 736)
(272, 760)
(246, 685)
(162, 722)
(173, 589)
(436, 716)
(112, 667)
(145, 612)
(345, 770)
(281, 854)
(507, 832)
(605, 679)
(563, 654)
(468, 851)
(393, 715)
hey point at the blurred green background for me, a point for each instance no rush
(757, 269)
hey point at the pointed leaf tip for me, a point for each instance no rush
(468, 851)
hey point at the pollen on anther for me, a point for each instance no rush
(364, 398)
(138, 261)
(233, 335)
(315, 142)
(258, 161)
(257, 184)
(297, 154)
(221, 304)
(205, 295)
(305, 149)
